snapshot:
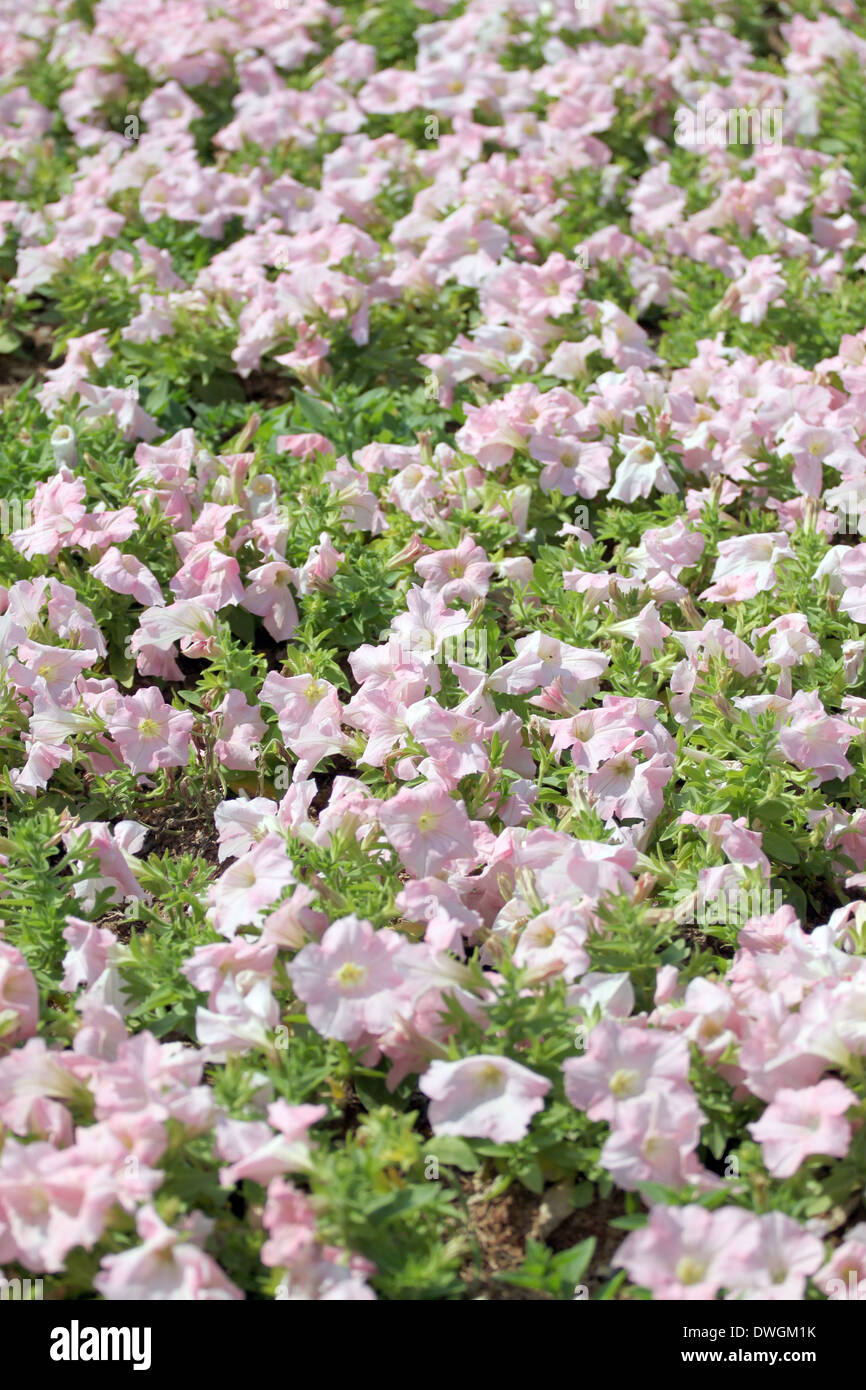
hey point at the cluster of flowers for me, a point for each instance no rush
(648, 550)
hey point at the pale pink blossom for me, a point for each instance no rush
(347, 980)
(690, 1253)
(168, 1265)
(125, 574)
(799, 1123)
(240, 728)
(620, 1063)
(428, 829)
(249, 887)
(486, 1096)
(150, 733)
(19, 998)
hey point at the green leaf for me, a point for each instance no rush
(159, 396)
(530, 1174)
(572, 1264)
(390, 1206)
(242, 624)
(453, 1152)
(122, 667)
(629, 1223)
(612, 1287)
(318, 415)
(489, 1149)
(583, 1194)
(778, 846)
(166, 994)
(371, 1091)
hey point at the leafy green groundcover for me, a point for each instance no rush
(432, 650)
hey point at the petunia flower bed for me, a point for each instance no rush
(433, 649)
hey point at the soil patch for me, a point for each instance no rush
(501, 1227)
(183, 829)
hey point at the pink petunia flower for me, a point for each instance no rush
(150, 733)
(348, 979)
(486, 1096)
(19, 998)
(249, 887)
(168, 1265)
(125, 574)
(427, 828)
(621, 1062)
(241, 727)
(798, 1123)
(776, 1269)
(690, 1253)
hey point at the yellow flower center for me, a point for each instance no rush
(350, 974)
(490, 1075)
(622, 1083)
(690, 1270)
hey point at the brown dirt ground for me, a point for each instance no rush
(182, 829)
(175, 829)
(268, 389)
(502, 1225)
(116, 921)
(15, 368)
